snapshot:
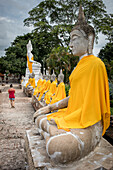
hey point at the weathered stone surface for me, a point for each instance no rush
(64, 146)
(101, 157)
(37, 104)
(36, 150)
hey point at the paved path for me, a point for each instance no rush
(13, 123)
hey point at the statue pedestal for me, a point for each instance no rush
(36, 68)
(37, 104)
(100, 158)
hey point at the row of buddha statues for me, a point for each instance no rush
(73, 126)
(48, 90)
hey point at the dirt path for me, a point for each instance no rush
(13, 123)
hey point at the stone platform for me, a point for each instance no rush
(37, 104)
(2, 88)
(101, 158)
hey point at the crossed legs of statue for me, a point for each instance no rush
(63, 146)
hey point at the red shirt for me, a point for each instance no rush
(11, 93)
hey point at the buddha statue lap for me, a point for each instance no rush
(76, 129)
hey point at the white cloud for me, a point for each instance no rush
(5, 19)
(101, 43)
(12, 14)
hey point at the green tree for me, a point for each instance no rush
(60, 58)
(58, 17)
(106, 26)
(15, 57)
(106, 54)
(53, 21)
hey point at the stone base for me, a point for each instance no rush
(100, 158)
(37, 104)
(28, 92)
(36, 70)
(20, 86)
(2, 88)
(24, 89)
(3, 84)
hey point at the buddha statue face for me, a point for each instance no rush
(53, 76)
(61, 76)
(82, 36)
(78, 43)
(29, 46)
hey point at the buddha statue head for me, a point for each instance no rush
(61, 76)
(29, 46)
(82, 36)
(47, 74)
(44, 75)
(53, 76)
(40, 74)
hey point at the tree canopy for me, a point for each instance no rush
(53, 21)
(58, 16)
(106, 54)
(15, 57)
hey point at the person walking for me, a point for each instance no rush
(11, 92)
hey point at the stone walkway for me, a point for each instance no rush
(13, 123)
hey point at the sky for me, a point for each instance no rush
(13, 13)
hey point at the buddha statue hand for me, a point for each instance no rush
(47, 109)
(41, 111)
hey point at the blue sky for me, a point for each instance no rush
(12, 14)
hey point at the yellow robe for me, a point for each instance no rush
(50, 93)
(45, 88)
(60, 94)
(29, 64)
(38, 85)
(21, 81)
(33, 82)
(39, 89)
(89, 96)
(29, 82)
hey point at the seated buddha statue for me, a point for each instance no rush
(30, 60)
(44, 89)
(39, 93)
(75, 131)
(60, 92)
(29, 81)
(52, 89)
(31, 86)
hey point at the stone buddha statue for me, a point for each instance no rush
(60, 76)
(60, 92)
(29, 81)
(52, 89)
(73, 132)
(53, 76)
(47, 74)
(31, 86)
(30, 61)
